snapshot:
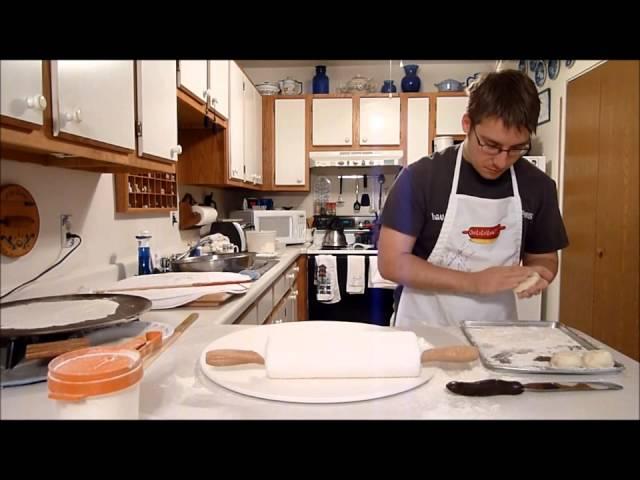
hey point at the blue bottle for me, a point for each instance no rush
(388, 86)
(411, 81)
(145, 264)
(321, 81)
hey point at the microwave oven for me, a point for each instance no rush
(290, 225)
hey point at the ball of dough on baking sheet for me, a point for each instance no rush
(567, 360)
(597, 359)
(529, 282)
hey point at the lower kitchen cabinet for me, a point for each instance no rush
(284, 301)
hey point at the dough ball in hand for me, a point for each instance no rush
(529, 282)
(598, 359)
(567, 360)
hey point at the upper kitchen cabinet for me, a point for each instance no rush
(219, 86)
(449, 112)
(379, 121)
(192, 77)
(80, 115)
(245, 128)
(418, 128)
(21, 92)
(252, 133)
(94, 100)
(332, 122)
(285, 143)
(157, 124)
(236, 122)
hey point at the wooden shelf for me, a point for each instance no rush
(146, 193)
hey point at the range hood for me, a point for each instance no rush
(357, 158)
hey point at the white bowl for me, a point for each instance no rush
(267, 89)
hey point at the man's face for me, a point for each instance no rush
(487, 145)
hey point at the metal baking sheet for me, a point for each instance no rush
(130, 307)
(522, 348)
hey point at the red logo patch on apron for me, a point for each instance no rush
(484, 234)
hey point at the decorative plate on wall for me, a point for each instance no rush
(553, 66)
(19, 221)
(522, 66)
(540, 75)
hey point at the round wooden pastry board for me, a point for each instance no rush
(19, 221)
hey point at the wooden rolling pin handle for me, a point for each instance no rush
(226, 358)
(53, 349)
(457, 353)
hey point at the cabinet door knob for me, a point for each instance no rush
(206, 93)
(296, 269)
(279, 320)
(364, 140)
(73, 117)
(600, 252)
(346, 139)
(299, 181)
(37, 102)
(177, 150)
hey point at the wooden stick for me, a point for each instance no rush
(228, 357)
(53, 349)
(190, 285)
(179, 330)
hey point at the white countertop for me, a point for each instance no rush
(173, 387)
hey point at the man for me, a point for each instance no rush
(457, 225)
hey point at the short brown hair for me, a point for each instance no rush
(509, 95)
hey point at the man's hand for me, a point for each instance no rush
(497, 279)
(545, 279)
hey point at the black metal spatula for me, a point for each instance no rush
(365, 201)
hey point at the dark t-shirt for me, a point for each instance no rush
(417, 201)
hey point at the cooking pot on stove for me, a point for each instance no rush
(335, 236)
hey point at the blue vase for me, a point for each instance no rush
(321, 81)
(411, 81)
(388, 86)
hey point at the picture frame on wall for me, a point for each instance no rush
(545, 106)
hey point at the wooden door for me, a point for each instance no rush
(580, 196)
(600, 269)
(616, 284)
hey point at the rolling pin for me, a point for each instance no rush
(353, 355)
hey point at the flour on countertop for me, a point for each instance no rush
(522, 346)
(55, 314)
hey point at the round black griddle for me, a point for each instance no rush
(130, 307)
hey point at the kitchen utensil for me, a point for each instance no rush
(335, 237)
(218, 262)
(527, 346)
(340, 201)
(129, 308)
(485, 388)
(356, 204)
(315, 349)
(381, 181)
(177, 332)
(184, 285)
(364, 201)
(252, 379)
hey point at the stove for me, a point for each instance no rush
(360, 231)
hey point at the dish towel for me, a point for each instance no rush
(355, 274)
(327, 287)
(375, 279)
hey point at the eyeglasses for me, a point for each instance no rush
(491, 150)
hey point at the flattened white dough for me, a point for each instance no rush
(291, 354)
(567, 360)
(597, 359)
(529, 282)
(55, 314)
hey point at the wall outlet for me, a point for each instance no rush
(173, 216)
(65, 227)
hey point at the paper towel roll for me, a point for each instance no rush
(207, 214)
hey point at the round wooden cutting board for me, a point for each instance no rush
(19, 221)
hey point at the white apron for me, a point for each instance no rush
(461, 247)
